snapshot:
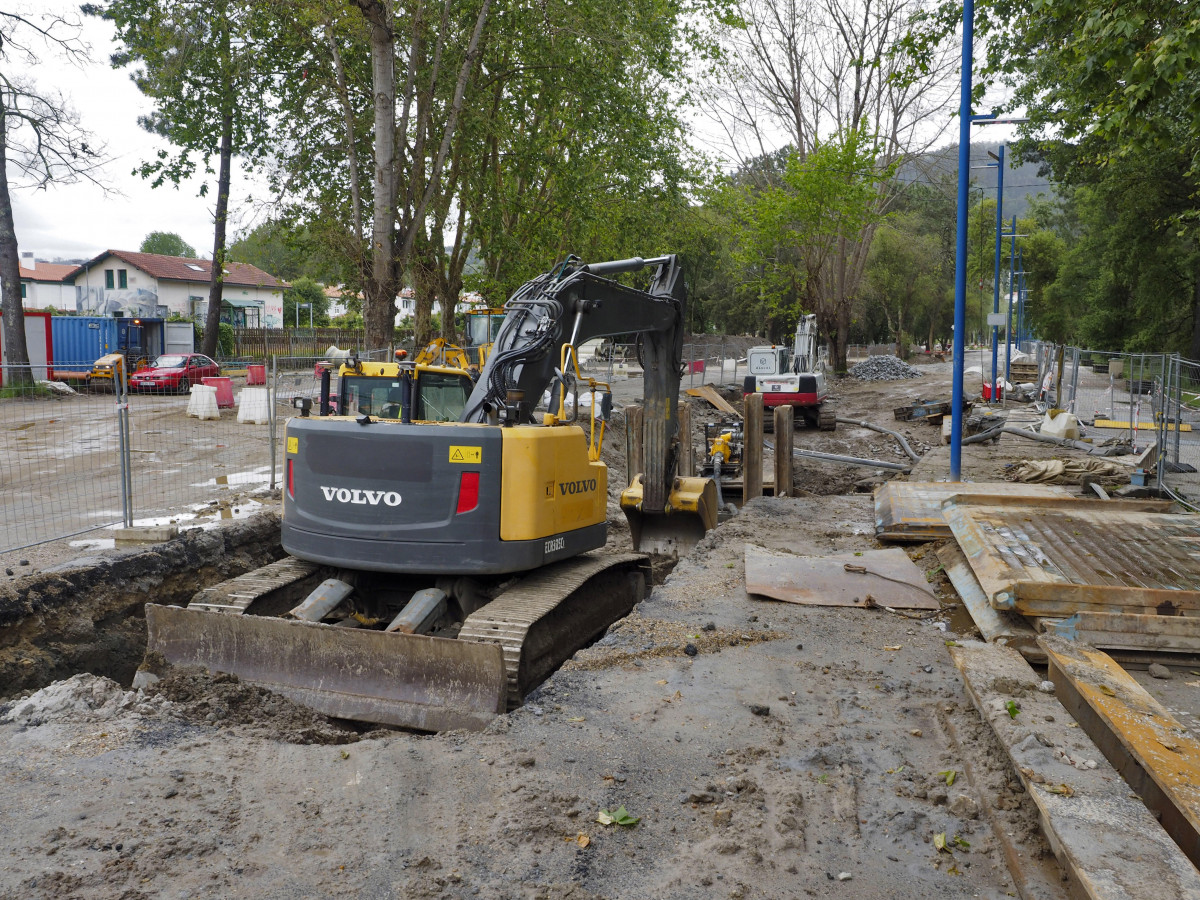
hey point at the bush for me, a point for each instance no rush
(225, 339)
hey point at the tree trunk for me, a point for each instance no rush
(216, 284)
(1193, 352)
(379, 307)
(16, 353)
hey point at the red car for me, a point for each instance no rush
(174, 372)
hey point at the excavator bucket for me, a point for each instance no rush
(691, 511)
(414, 681)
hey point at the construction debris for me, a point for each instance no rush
(1066, 471)
(883, 368)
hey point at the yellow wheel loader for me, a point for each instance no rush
(437, 571)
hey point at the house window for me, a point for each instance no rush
(24, 293)
(122, 279)
(108, 279)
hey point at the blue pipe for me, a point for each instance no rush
(960, 252)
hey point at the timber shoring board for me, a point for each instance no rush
(1129, 631)
(891, 579)
(1106, 839)
(996, 625)
(1079, 543)
(709, 393)
(912, 510)
(1154, 753)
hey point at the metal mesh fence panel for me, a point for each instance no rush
(60, 470)
(1179, 431)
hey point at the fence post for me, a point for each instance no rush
(272, 393)
(752, 448)
(1178, 402)
(784, 425)
(1074, 379)
(125, 451)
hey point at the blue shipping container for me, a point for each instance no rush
(81, 340)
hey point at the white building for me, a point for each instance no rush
(46, 285)
(150, 284)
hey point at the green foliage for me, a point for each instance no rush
(167, 243)
(789, 228)
(225, 343)
(305, 290)
(288, 252)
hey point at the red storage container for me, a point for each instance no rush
(224, 388)
(987, 391)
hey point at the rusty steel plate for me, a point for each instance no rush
(890, 579)
(912, 510)
(1080, 555)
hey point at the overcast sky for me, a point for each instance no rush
(73, 221)
(80, 220)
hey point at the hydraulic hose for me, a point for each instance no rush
(897, 435)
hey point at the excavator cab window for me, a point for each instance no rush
(371, 396)
(441, 396)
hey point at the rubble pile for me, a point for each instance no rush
(883, 368)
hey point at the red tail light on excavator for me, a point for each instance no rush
(468, 492)
(291, 479)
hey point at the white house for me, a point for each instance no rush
(150, 284)
(46, 285)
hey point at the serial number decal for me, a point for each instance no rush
(466, 454)
(558, 543)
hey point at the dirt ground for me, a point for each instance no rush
(765, 749)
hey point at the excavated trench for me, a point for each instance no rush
(88, 614)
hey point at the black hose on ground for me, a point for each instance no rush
(912, 454)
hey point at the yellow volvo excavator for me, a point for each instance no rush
(438, 570)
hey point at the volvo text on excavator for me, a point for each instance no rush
(439, 570)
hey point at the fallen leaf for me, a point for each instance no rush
(954, 870)
(345, 755)
(1012, 708)
(575, 719)
(939, 841)
(960, 842)
(949, 775)
(896, 647)
(1192, 683)
(661, 681)
(582, 839)
(1065, 789)
(1107, 691)
(620, 817)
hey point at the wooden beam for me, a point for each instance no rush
(1130, 631)
(1106, 840)
(709, 393)
(633, 443)
(1056, 598)
(752, 449)
(784, 434)
(1155, 754)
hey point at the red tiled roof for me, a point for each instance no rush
(179, 268)
(49, 272)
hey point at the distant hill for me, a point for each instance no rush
(1020, 183)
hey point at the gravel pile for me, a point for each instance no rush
(884, 368)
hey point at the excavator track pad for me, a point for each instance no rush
(503, 650)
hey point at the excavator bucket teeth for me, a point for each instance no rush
(414, 681)
(691, 512)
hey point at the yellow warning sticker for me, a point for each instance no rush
(293, 445)
(466, 454)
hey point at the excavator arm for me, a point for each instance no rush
(577, 302)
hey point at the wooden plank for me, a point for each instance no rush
(687, 450)
(1129, 631)
(709, 393)
(1141, 426)
(1050, 598)
(996, 626)
(890, 579)
(1155, 754)
(1106, 840)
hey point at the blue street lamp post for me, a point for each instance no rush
(1008, 321)
(960, 256)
